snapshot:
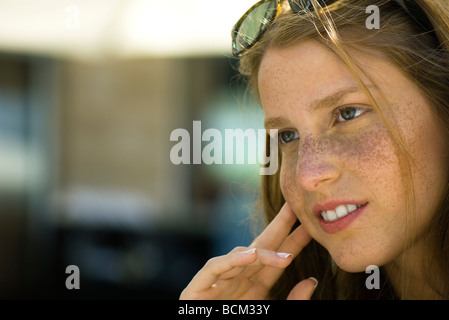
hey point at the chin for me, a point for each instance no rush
(352, 266)
(353, 260)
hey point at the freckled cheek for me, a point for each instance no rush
(366, 161)
(370, 169)
(371, 158)
(429, 148)
(290, 190)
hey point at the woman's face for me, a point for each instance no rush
(341, 172)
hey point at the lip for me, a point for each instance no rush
(342, 223)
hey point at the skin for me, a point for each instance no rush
(328, 158)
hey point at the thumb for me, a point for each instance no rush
(303, 290)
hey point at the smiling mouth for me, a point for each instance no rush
(339, 212)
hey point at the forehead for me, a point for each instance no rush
(307, 57)
(308, 71)
(305, 69)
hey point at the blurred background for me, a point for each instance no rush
(90, 91)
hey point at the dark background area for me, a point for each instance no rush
(86, 177)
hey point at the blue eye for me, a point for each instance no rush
(288, 136)
(349, 113)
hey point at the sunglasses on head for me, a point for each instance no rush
(251, 26)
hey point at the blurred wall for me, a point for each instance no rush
(113, 124)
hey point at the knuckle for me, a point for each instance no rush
(238, 249)
(211, 262)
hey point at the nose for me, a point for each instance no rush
(317, 164)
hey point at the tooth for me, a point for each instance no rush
(351, 207)
(341, 211)
(331, 215)
(324, 215)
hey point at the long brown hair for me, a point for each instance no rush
(424, 58)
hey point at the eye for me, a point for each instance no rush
(348, 113)
(288, 136)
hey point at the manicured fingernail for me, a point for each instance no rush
(250, 251)
(283, 255)
(314, 280)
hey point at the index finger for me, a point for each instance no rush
(277, 231)
(294, 244)
(215, 267)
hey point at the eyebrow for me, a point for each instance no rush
(319, 104)
(332, 99)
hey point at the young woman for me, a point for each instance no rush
(362, 115)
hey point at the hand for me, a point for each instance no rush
(248, 273)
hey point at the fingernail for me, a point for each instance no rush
(314, 280)
(283, 255)
(250, 251)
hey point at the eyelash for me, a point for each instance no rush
(281, 140)
(337, 113)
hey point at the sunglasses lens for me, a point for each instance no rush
(252, 25)
(300, 5)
